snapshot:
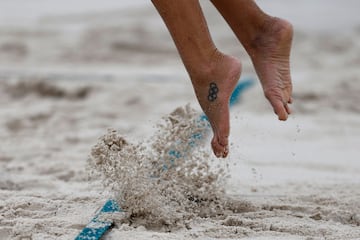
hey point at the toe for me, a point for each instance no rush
(220, 148)
(288, 110)
(275, 98)
(281, 109)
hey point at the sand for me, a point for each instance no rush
(66, 77)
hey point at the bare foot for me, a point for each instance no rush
(270, 52)
(213, 87)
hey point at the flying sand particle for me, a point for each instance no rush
(156, 187)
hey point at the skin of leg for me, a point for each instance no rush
(268, 42)
(213, 75)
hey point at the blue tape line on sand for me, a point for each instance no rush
(97, 227)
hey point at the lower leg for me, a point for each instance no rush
(268, 42)
(207, 67)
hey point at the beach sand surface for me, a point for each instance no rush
(66, 76)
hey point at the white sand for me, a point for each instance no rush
(64, 80)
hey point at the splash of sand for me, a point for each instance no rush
(164, 181)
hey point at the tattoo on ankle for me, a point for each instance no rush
(213, 90)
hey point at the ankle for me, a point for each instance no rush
(201, 70)
(271, 31)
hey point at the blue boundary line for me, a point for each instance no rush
(97, 227)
